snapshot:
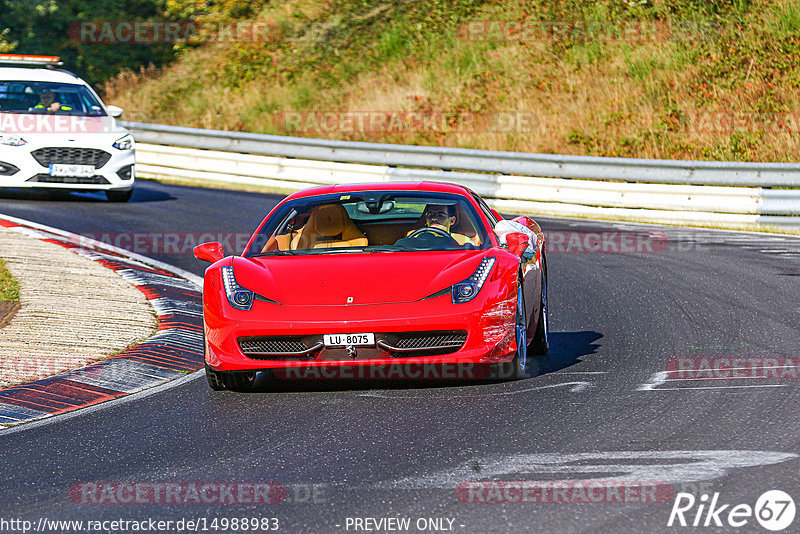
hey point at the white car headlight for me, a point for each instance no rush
(11, 140)
(124, 143)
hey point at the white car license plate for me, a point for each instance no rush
(342, 340)
(63, 169)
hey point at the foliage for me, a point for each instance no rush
(698, 79)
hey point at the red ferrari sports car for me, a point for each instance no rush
(376, 275)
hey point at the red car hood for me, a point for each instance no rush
(377, 278)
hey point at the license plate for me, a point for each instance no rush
(63, 169)
(342, 340)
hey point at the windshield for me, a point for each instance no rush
(368, 222)
(48, 98)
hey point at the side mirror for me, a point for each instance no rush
(115, 111)
(497, 215)
(517, 243)
(211, 252)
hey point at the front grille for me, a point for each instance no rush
(435, 341)
(419, 344)
(271, 345)
(47, 179)
(389, 344)
(277, 348)
(71, 156)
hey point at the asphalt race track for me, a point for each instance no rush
(672, 369)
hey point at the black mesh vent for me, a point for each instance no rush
(71, 156)
(432, 340)
(271, 345)
(46, 178)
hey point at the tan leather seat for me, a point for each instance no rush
(329, 226)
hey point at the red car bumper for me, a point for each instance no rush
(487, 322)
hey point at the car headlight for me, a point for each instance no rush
(238, 296)
(11, 140)
(466, 290)
(124, 143)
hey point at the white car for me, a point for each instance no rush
(56, 133)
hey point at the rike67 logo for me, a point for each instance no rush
(774, 510)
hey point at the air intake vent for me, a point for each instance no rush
(277, 348)
(47, 179)
(71, 156)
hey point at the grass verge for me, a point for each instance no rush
(9, 287)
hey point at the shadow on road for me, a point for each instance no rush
(141, 193)
(566, 349)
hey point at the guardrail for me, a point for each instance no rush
(689, 192)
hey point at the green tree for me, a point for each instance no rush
(48, 27)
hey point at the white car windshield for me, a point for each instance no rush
(48, 98)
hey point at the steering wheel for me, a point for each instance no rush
(435, 232)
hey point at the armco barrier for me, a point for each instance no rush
(689, 192)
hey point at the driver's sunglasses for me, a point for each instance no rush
(436, 214)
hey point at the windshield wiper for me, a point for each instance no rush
(382, 248)
(274, 253)
(334, 250)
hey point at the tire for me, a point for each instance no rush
(119, 196)
(241, 382)
(214, 379)
(541, 339)
(517, 368)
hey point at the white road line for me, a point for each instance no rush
(722, 378)
(719, 387)
(577, 387)
(655, 380)
(671, 467)
(717, 369)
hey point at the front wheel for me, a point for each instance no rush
(541, 341)
(241, 382)
(214, 379)
(517, 368)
